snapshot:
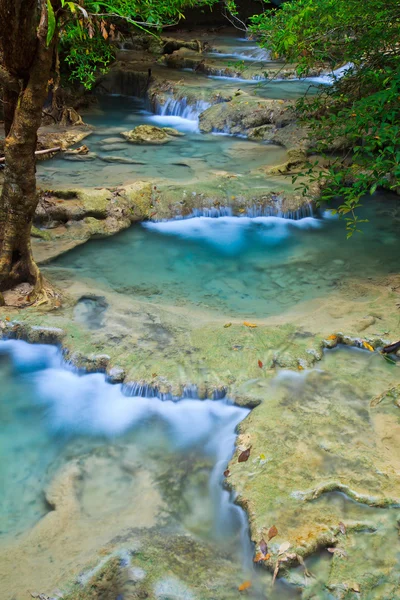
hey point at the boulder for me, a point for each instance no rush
(149, 134)
(245, 114)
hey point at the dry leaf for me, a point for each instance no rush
(263, 546)
(227, 473)
(243, 456)
(283, 547)
(332, 337)
(300, 368)
(260, 364)
(368, 346)
(7, 318)
(227, 325)
(260, 556)
(244, 586)
(342, 528)
(154, 374)
(272, 532)
(247, 324)
(355, 587)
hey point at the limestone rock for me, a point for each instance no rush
(150, 134)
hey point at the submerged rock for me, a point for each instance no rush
(150, 134)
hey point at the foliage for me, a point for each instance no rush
(88, 28)
(361, 110)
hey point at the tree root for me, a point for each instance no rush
(335, 486)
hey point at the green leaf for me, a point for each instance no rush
(51, 22)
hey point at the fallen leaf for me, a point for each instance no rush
(368, 346)
(247, 324)
(332, 337)
(227, 473)
(260, 556)
(260, 364)
(243, 456)
(300, 368)
(355, 587)
(7, 318)
(342, 528)
(244, 586)
(272, 532)
(227, 325)
(283, 547)
(262, 456)
(154, 374)
(263, 546)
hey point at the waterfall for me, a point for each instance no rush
(86, 404)
(179, 113)
(330, 78)
(252, 53)
(252, 212)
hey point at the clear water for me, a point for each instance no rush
(238, 265)
(132, 453)
(115, 161)
(53, 416)
(51, 413)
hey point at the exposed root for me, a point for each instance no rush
(335, 486)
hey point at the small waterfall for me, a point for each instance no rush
(179, 113)
(212, 212)
(88, 405)
(189, 392)
(258, 210)
(252, 53)
(252, 212)
(181, 108)
(330, 78)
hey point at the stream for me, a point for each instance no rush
(92, 469)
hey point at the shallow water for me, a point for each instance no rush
(185, 158)
(238, 265)
(166, 460)
(161, 462)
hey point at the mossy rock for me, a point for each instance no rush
(149, 134)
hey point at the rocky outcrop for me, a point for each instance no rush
(245, 115)
(149, 134)
(67, 218)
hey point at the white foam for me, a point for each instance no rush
(179, 123)
(330, 78)
(228, 234)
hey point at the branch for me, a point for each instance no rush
(37, 153)
(9, 81)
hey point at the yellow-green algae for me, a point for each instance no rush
(325, 452)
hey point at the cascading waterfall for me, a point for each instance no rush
(180, 113)
(86, 405)
(252, 53)
(257, 210)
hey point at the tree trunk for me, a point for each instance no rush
(19, 196)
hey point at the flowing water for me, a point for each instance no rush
(114, 161)
(242, 266)
(148, 470)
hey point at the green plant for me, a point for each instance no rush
(357, 117)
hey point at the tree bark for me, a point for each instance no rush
(19, 196)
